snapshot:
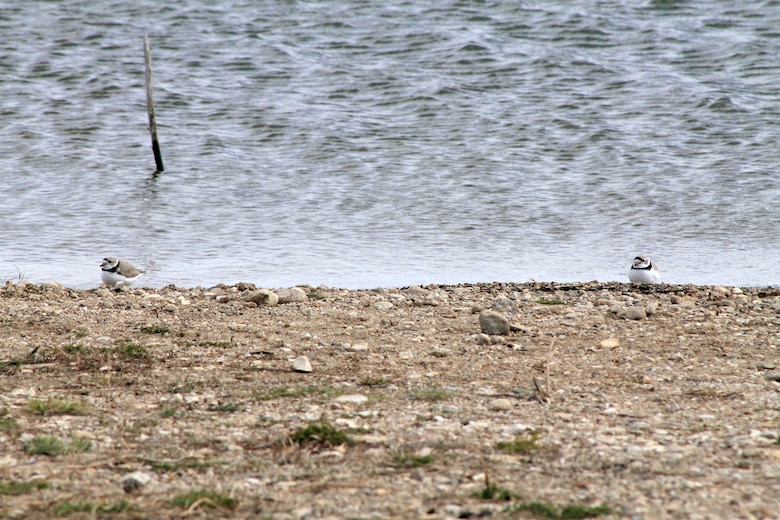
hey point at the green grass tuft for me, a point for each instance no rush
(550, 301)
(7, 423)
(570, 512)
(322, 433)
(154, 329)
(494, 492)
(521, 444)
(282, 392)
(132, 350)
(69, 508)
(204, 497)
(431, 394)
(15, 488)
(57, 407)
(54, 446)
(412, 460)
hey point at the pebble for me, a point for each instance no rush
(135, 480)
(482, 339)
(500, 404)
(609, 343)
(302, 364)
(351, 398)
(492, 323)
(383, 306)
(291, 295)
(634, 313)
(263, 297)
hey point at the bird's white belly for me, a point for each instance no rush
(114, 280)
(644, 275)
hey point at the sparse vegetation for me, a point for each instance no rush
(431, 394)
(412, 460)
(282, 392)
(206, 498)
(550, 301)
(58, 407)
(375, 381)
(569, 512)
(493, 492)
(15, 488)
(226, 408)
(154, 329)
(102, 509)
(74, 348)
(54, 446)
(132, 350)
(321, 433)
(521, 444)
(7, 423)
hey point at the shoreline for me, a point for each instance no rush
(622, 400)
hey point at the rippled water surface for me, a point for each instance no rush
(371, 143)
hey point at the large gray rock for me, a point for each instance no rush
(302, 364)
(492, 323)
(263, 297)
(293, 294)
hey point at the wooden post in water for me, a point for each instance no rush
(150, 105)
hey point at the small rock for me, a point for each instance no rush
(482, 339)
(634, 313)
(302, 364)
(492, 323)
(504, 304)
(651, 308)
(766, 365)
(360, 346)
(222, 298)
(135, 480)
(383, 306)
(500, 404)
(609, 343)
(351, 398)
(291, 295)
(263, 297)
(170, 308)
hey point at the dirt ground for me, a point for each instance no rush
(603, 400)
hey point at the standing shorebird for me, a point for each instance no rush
(118, 273)
(643, 270)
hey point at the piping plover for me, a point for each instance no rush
(644, 271)
(118, 273)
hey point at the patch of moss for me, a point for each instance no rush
(550, 301)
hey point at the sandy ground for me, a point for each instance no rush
(605, 400)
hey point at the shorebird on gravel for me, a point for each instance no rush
(118, 273)
(643, 270)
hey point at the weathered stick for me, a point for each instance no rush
(150, 105)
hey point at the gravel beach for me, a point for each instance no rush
(498, 400)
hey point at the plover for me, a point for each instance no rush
(644, 271)
(118, 273)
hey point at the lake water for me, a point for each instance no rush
(368, 143)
